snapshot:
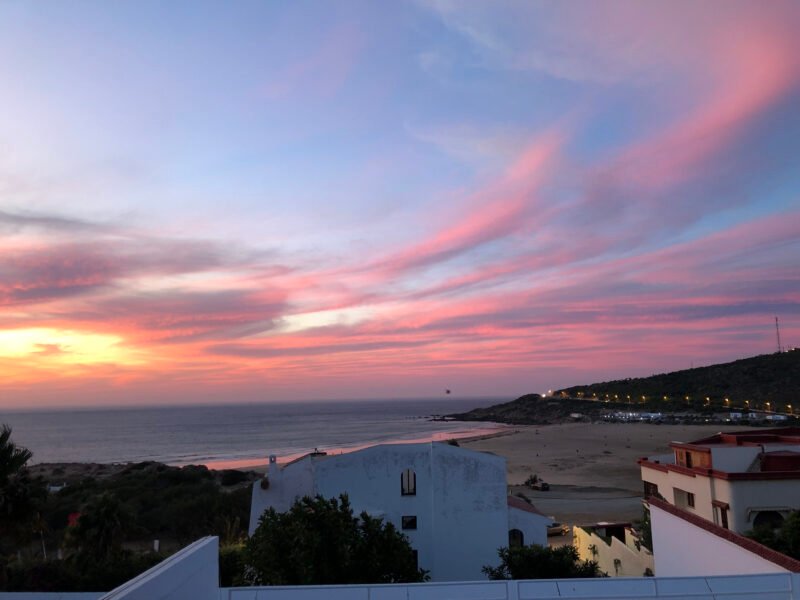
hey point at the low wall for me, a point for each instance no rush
(632, 561)
(192, 573)
(749, 587)
(50, 595)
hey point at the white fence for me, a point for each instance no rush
(746, 587)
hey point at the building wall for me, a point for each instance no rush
(745, 497)
(684, 550)
(470, 512)
(748, 497)
(733, 460)
(460, 504)
(633, 561)
(532, 526)
(285, 486)
(697, 485)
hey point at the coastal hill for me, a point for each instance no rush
(770, 382)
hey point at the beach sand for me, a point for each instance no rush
(591, 467)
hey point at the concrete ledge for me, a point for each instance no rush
(192, 572)
(777, 586)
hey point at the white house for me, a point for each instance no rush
(452, 503)
(736, 480)
(686, 545)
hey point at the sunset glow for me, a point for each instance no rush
(267, 201)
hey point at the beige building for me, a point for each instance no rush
(736, 480)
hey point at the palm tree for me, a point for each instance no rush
(13, 458)
(17, 491)
(101, 527)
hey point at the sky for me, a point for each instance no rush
(269, 201)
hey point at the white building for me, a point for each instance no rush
(686, 545)
(452, 503)
(736, 480)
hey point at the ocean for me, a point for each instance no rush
(233, 435)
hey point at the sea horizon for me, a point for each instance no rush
(235, 435)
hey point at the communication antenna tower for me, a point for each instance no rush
(778, 334)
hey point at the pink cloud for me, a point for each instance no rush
(501, 209)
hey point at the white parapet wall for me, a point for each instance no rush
(50, 595)
(191, 574)
(749, 587)
(687, 545)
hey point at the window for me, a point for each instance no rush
(650, 489)
(516, 539)
(683, 499)
(688, 460)
(409, 521)
(408, 483)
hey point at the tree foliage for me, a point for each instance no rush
(541, 562)
(101, 529)
(785, 539)
(13, 458)
(20, 495)
(320, 541)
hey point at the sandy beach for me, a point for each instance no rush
(591, 467)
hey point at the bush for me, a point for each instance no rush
(319, 541)
(230, 477)
(541, 562)
(231, 565)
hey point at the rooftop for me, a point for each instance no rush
(780, 435)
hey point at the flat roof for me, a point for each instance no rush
(778, 435)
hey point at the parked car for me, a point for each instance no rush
(557, 529)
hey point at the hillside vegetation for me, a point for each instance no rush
(770, 382)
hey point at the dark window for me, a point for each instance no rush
(724, 514)
(650, 489)
(690, 499)
(516, 539)
(408, 483)
(409, 522)
(768, 519)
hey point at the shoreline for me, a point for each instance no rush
(259, 465)
(591, 467)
